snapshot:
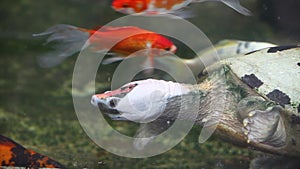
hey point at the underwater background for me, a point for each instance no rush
(36, 106)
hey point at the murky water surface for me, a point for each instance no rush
(36, 107)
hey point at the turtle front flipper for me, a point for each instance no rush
(147, 132)
(266, 127)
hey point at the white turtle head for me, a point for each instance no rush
(140, 101)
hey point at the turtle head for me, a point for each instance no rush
(140, 101)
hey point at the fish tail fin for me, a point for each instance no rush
(183, 14)
(68, 40)
(234, 4)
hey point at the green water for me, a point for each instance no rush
(36, 107)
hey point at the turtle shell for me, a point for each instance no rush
(274, 72)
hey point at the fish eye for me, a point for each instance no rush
(125, 5)
(168, 48)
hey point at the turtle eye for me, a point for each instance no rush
(132, 86)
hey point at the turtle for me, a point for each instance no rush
(254, 97)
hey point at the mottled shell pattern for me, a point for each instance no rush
(273, 72)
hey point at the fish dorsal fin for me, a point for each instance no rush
(234, 4)
(123, 28)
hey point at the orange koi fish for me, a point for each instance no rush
(13, 154)
(121, 41)
(167, 6)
